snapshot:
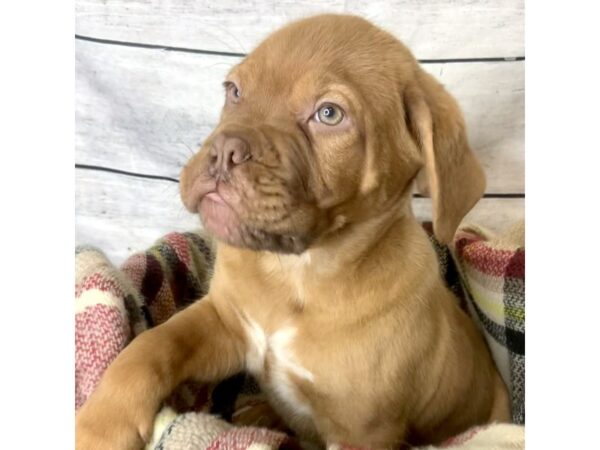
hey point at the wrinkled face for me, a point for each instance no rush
(292, 157)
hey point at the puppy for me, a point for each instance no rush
(325, 286)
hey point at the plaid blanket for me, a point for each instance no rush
(493, 276)
(114, 305)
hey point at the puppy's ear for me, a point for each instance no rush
(452, 176)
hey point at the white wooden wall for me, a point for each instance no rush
(148, 91)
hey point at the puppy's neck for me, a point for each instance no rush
(344, 248)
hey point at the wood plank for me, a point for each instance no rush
(145, 111)
(122, 214)
(433, 29)
(495, 214)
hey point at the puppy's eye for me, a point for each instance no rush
(329, 114)
(233, 92)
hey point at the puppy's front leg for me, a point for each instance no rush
(195, 343)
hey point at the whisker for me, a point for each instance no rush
(234, 37)
(188, 147)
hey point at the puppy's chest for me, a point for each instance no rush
(273, 359)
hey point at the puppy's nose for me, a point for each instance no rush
(228, 152)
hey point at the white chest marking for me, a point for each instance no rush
(282, 362)
(279, 342)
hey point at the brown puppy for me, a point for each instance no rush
(325, 286)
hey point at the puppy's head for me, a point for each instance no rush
(326, 124)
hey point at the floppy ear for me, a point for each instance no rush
(452, 176)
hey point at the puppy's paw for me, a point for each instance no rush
(106, 425)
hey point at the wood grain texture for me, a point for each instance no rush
(433, 29)
(121, 214)
(146, 111)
